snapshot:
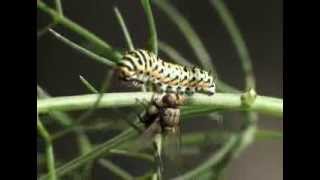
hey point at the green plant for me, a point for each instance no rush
(228, 99)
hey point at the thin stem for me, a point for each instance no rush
(237, 39)
(115, 169)
(50, 161)
(85, 115)
(45, 29)
(124, 29)
(173, 54)
(82, 50)
(223, 87)
(49, 150)
(220, 137)
(246, 137)
(88, 85)
(94, 153)
(178, 58)
(158, 155)
(153, 38)
(188, 32)
(104, 87)
(142, 156)
(43, 132)
(92, 38)
(214, 159)
(62, 118)
(194, 41)
(66, 121)
(153, 46)
(221, 101)
(59, 7)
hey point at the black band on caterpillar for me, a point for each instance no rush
(143, 66)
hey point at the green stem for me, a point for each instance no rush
(194, 41)
(88, 85)
(45, 29)
(221, 101)
(238, 41)
(188, 32)
(220, 137)
(153, 38)
(158, 155)
(124, 29)
(100, 44)
(247, 136)
(211, 161)
(67, 122)
(49, 150)
(82, 50)
(115, 169)
(94, 153)
(173, 54)
(137, 155)
(50, 161)
(59, 7)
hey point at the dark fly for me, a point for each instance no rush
(162, 116)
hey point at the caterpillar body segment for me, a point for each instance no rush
(141, 67)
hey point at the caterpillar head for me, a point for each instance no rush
(128, 76)
(211, 90)
(124, 73)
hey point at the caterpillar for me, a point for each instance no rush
(140, 67)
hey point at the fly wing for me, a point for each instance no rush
(146, 139)
(172, 143)
(173, 163)
(171, 120)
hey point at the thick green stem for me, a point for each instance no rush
(220, 101)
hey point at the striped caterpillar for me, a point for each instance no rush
(141, 67)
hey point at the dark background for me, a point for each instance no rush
(59, 67)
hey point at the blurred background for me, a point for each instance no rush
(260, 22)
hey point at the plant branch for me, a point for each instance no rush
(115, 169)
(49, 150)
(124, 29)
(88, 85)
(221, 136)
(136, 155)
(248, 132)
(220, 101)
(215, 158)
(153, 38)
(189, 33)
(173, 54)
(82, 50)
(59, 7)
(92, 38)
(94, 153)
(238, 41)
